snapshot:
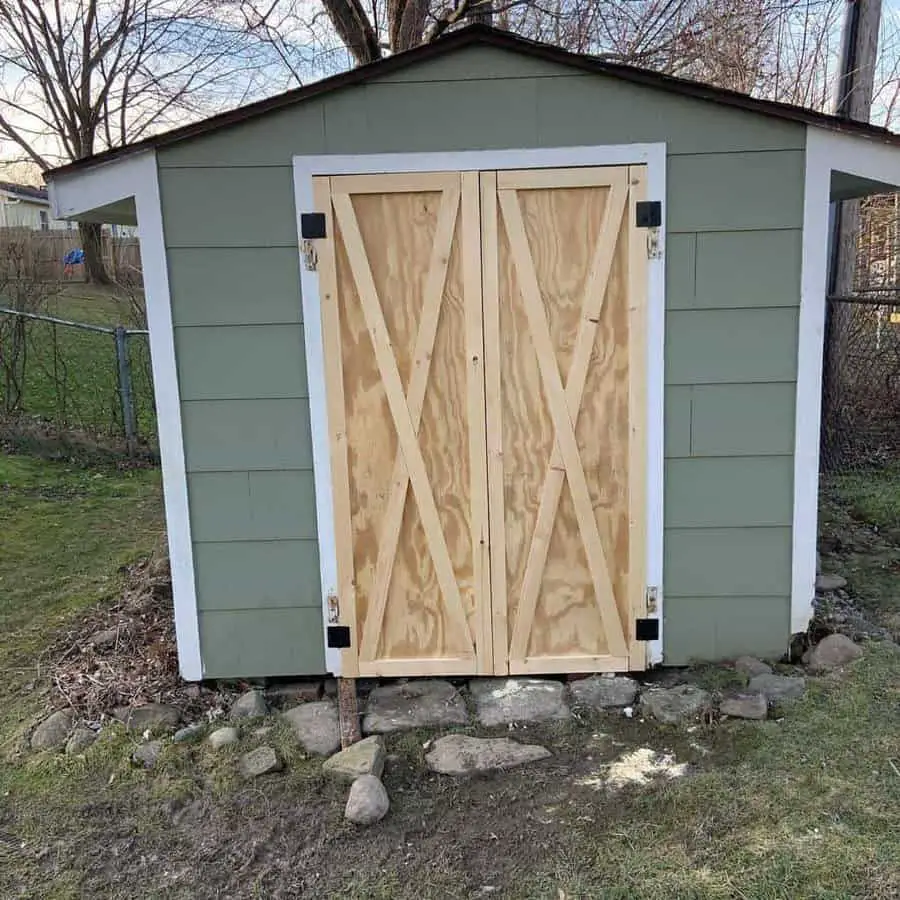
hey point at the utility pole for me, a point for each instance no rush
(852, 100)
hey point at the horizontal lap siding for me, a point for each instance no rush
(734, 215)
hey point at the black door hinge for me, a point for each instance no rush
(338, 637)
(646, 630)
(312, 226)
(648, 213)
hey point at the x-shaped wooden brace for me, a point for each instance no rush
(564, 404)
(406, 411)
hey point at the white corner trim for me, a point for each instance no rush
(651, 155)
(826, 151)
(318, 416)
(136, 176)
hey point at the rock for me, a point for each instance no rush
(745, 706)
(53, 732)
(188, 734)
(750, 666)
(296, 692)
(601, 692)
(147, 754)
(365, 757)
(825, 583)
(459, 754)
(414, 704)
(105, 638)
(777, 687)
(832, 652)
(368, 802)
(673, 705)
(223, 737)
(260, 761)
(81, 739)
(152, 715)
(500, 701)
(316, 726)
(251, 705)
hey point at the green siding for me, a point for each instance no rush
(258, 575)
(262, 642)
(235, 435)
(734, 212)
(731, 346)
(252, 506)
(728, 492)
(727, 562)
(742, 419)
(754, 625)
(232, 363)
(239, 286)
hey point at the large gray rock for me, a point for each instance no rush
(459, 754)
(365, 757)
(368, 802)
(500, 701)
(316, 726)
(250, 705)
(188, 734)
(53, 732)
(152, 715)
(777, 687)
(223, 737)
(825, 583)
(147, 754)
(81, 739)
(103, 639)
(673, 705)
(832, 652)
(745, 706)
(260, 761)
(603, 692)
(414, 704)
(751, 666)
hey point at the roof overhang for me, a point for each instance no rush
(104, 193)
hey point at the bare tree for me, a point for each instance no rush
(78, 76)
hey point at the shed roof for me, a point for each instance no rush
(484, 35)
(25, 191)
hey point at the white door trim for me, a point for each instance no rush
(826, 152)
(308, 167)
(76, 195)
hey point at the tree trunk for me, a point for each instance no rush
(92, 244)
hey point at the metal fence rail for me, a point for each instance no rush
(77, 375)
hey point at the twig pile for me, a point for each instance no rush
(124, 653)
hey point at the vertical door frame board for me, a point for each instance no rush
(308, 167)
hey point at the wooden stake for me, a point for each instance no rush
(348, 712)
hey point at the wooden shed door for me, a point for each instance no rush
(402, 330)
(564, 297)
(484, 353)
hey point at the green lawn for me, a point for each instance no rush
(71, 374)
(805, 806)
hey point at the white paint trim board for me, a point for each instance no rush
(651, 155)
(826, 151)
(77, 194)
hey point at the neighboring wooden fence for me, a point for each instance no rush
(44, 252)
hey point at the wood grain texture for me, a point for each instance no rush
(557, 334)
(408, 396)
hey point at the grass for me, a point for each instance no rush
(71, 376)
(805, 806)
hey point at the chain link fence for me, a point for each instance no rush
(76, 377)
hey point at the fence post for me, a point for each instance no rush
(125, 393)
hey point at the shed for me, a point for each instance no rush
(487, 358)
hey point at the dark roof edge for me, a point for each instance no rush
(483, 34)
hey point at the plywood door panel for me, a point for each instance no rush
(564, 296)
(406, 411)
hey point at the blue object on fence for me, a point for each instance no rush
(73, 258)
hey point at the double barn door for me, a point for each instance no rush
(485, 359)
